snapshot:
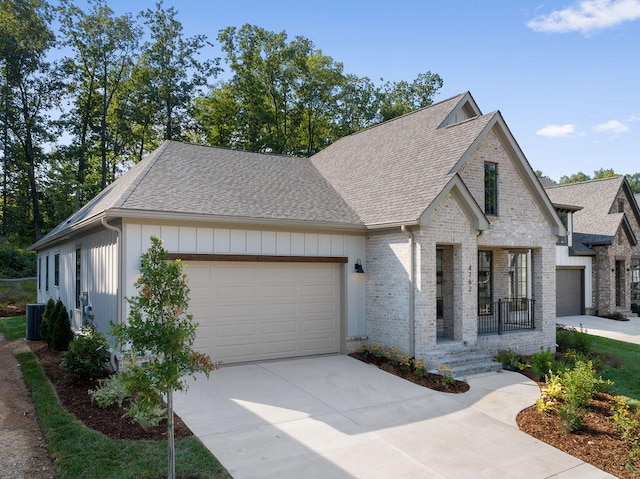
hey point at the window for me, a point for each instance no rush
(46, 278)
(620, 206)
(56, 270)
(439, 276)
(40, 274)
(517, 275)
(491, 189)
(484, 282)
(78, 275)
(635, 279)
(564, 217)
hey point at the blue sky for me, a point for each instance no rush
(564, 74)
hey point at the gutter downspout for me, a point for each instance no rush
(412, 278)
(119, 274)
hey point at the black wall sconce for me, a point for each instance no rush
(359, 266)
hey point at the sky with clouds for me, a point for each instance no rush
(564, 74)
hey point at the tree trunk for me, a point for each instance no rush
(171, 471)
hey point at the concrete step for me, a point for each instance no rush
(462, 361)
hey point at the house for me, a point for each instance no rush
(598, 263)
(429, 232)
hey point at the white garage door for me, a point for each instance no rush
(255, 311)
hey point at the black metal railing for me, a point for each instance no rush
(509, 314)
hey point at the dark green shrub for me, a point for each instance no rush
(46, 328)
(511, 361)
(87, 355)
(635, 308)
(544, 363)
(61, 334)
(16, 262)
(571, 338)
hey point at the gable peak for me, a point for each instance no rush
(465, 109)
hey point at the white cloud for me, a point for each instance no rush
(611, 126)
(557, 131)
(587, 16)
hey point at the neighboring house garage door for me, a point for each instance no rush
(569, 297)
(254, 311)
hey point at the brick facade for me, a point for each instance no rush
(520, 226)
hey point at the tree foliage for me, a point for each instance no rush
(162, 331)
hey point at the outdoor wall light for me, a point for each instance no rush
(359, 266)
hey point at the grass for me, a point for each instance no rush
(23, 291)
(13, 328)
(81, 452)
(622, 367)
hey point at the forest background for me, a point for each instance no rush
(121, 85)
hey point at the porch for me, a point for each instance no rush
(504, 315)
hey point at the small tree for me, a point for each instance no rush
(160, 329)
(46, 328)
(61, 334)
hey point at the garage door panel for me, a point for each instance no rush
(569, 297)
(251, 311)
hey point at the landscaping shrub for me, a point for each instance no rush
(569, 393)
(511, 360)
(627, 421)
(111, 391)
(571, 338)
(46, 327)
(635, 308)
(87, 355)
(61, 333)
(545, 363)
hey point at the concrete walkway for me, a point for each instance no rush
(336, 417)
(628, 331)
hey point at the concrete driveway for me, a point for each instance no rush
(628, 331)
(336, 417)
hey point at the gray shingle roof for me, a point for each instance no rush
(596, 198)
(390, 173)
(393, 171)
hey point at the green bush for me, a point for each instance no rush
(16, 263)
(111, 391)
(571, 338)
(545, 363)
(635, 308)
(87, 355)
(46, 328)
(511, 360)
(61, 333)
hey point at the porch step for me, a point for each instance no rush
(462, 361)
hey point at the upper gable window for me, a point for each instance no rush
(491, 189)
(620, 206)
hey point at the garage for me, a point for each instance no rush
(569, 292)
(249, 311)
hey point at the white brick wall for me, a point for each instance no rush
(519, 226)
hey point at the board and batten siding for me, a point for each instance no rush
(99, 270)
(220, 240)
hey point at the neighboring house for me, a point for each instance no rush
(598, 263)
(439, 208)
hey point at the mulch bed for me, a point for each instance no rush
(598, 443)
(431, 381)
(112, 422)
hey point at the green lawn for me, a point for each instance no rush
(82, 452)
(13, 328)
(623, 366)
(18, 291)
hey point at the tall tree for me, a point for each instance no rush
(29, 91)
(103, 47)
(402, 97)
(170, 65)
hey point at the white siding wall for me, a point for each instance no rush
(98, 276)
(563, 259)
(220, 240)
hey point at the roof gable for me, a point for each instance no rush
(598, 216)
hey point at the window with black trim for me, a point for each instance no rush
(56, 270)
(491, 189)
(635, 279)
(439, 279)
(46, 278)
(78, 276)
(484, 282)
(40, 273)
